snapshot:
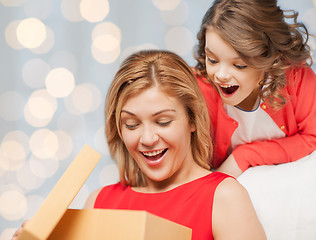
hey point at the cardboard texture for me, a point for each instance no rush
(54, 221)
(103, 224)
(58, 200)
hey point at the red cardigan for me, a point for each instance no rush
(297, 119)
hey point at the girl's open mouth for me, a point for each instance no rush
(228, 89)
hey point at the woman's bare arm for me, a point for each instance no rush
(234, 217)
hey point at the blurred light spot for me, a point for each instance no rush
(179, 40)
(27, 179)
(7, 233)
(12, 3)
(31, 32)
(106, 43)
(5, 163)
(71, 10)
(47, 44)
(166, 5)
(14, 150)
(309, 19)
(109, 175)
(43, 168)
(100, 142)
(10, 35)
(86, 98)
(106, 39)
(14, 154)
(63, 59)
(65, 145)
(106, 28)
(40, 108)
(40, 9)
(60, 82)
(12, 205)
(34, 73)
(9, 99)
(105, 57)
(44, 143)
(33, 204)
(176, 17)
(94, 10)
(81, 198)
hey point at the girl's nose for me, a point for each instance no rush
(148, 137)
(222, 74)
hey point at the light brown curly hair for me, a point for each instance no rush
(260, 33)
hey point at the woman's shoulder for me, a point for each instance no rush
(229, 188)
(233, 209)
(103, 191)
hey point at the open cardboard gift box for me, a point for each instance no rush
(54, 221)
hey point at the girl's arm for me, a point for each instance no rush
(234, 217)
(298, 121)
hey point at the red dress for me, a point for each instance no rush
(190, 204)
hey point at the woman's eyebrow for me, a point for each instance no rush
(125, 111)
(163, 111)
(155, 114)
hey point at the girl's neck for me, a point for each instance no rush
(251, 102)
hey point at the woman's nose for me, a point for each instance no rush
(149, 137)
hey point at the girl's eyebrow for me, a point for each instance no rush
(155, 114)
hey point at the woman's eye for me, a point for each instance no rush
(240, 66)
(164, 123)
(212, 61)
(131, 126)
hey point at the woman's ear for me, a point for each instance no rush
(192, 127)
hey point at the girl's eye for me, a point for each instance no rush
(240, 66)
(164, 123)
(212, 61)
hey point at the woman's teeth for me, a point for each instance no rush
(153, 153)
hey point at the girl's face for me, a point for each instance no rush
(157, 133)
(237, 83)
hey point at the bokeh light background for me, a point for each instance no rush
(57, 59)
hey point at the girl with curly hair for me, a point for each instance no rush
(253, 67)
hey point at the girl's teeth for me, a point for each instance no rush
(229, 89)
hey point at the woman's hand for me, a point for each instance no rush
(19, 230)
(230, 167)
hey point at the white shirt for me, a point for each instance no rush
(254, 125)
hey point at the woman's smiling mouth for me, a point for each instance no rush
(154, 157)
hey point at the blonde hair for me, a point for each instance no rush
(259, 33)
(173, 76)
